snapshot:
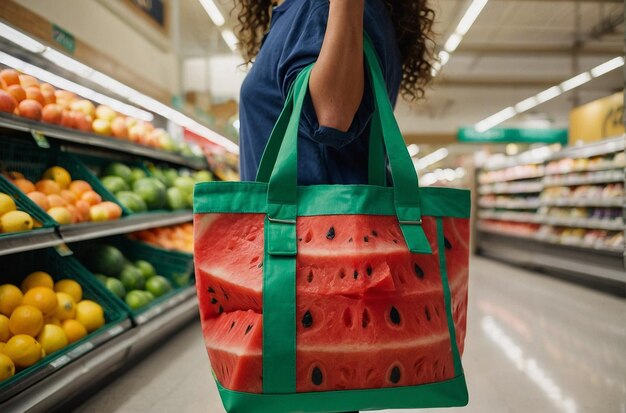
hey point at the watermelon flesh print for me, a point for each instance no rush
(370, 314)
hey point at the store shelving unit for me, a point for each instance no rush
(562, 213)
(63, 379)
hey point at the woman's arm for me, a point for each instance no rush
(337, 79)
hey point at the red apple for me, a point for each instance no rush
(52, 113)
(85, 106)
(30, 109)
(118, 128)
(7, 102)
(33, 92)
(137, 133)
(83, 122)
(17, 92)
(67, 119)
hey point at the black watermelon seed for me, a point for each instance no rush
(395, 241)
(394, 377)
(356, 274)
(395, 316)
(231, 326)
(225, 293)
(220, 310)
(447, 243)
(248, 329)
(307, 320)
(299, 239)
(211, 290)
(213, 301)
(350, 240)
(418, 271)
(427, 312)
(374, 233)
(316, 376)
(366, 239)
(260, 265)
(369, 270)
(331, 233)
(309, 278)
(366, 319)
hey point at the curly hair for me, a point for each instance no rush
(412, 19)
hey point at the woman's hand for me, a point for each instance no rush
(337, 79)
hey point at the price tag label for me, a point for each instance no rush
(41, 140)
(63, 250)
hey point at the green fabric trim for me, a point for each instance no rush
(456, 356)
(279, 309)
(449, 393)
(251, 197)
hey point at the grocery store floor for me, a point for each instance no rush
(535, 344)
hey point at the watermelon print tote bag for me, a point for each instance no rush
(333, 298)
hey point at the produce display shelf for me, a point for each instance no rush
(529, 190)
(29, 240)
(511, 216)
(136, 222)
(61, 390)
(529, 177)
(510, 205)
(15, 123)
(586, 181)
(614, 225)
(585, 202)
(605, 167)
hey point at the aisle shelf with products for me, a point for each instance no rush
(579, 211)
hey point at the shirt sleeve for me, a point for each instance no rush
(302, 47)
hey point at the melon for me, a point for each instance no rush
(369, 313)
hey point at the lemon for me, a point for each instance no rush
(10, 297)
(74, 330)
(37, 279)
(90, 314)
(23, 350)
(66, 307)
(7, 367)
(59, 175)
(43, 298)
(6, 204)
(52, 338)
(26, 319)
(70, 287)
(5, 332)
(15, 221)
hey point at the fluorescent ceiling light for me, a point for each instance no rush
(453, 42)
(576, 81)
(214, 12)
(444, 57)
(606, 67)
(413, 150)
(230, 39)
(431, 159)
(548, 94)
(470, 16)
(493, 120)
(526, 104)
(21, 39)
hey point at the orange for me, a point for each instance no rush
(43, 298)
(37, 279)
(55, 200)
(79, 187)
(76, 217)
(10, 298)
(26, 319)
(24, 350)
(24, 185)
(70, 287)
(114, 211)
(48, 187)
(40, 199)
(74, 330)
(7, 367)
(69, 196)
(91, 197)
(59, 175)
(61, 215)
(90, 314)
(66, 307)
(5, 332)
(83, 208)
(52, 338)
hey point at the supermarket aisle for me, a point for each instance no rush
(535, 344)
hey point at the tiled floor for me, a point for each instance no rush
(535, 344)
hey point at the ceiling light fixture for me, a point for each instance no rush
(468, 19)
(549, 94)
(214, 12)
(230, 39)
(431, 159)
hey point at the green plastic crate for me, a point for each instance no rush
(175, 267)
(17, 267)
(32, 161)
(24, 203)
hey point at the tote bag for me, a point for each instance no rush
(332, 298)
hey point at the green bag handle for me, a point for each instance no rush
(282, 188)
(377, 168)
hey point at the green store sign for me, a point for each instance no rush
(513, 135)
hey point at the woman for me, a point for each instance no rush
(333, 144)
